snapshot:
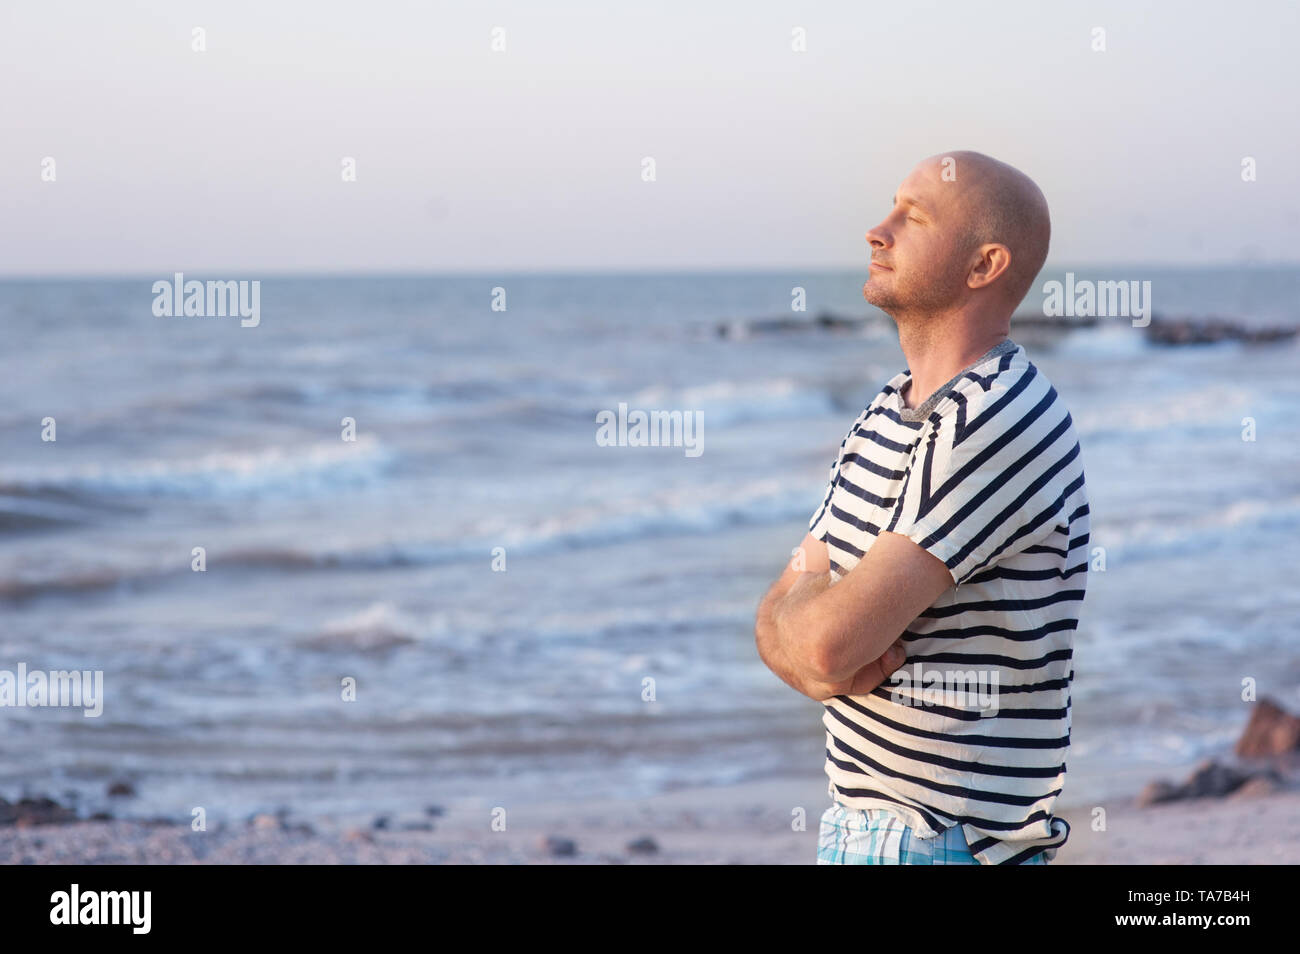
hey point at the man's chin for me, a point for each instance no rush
(874, 294)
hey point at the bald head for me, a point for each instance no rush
(965, 232)
(1003, 206)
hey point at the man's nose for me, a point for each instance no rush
(878, 237)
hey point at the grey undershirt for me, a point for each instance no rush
(922, 411)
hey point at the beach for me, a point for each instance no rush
(749, 824)
(524, 612)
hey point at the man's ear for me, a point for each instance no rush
(992, 262)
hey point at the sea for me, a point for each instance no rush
(372, 555)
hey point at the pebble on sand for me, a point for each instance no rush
(27, 812)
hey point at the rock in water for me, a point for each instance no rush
(1271, 731)
(1182, 331)
(643, 846)
(562, 847)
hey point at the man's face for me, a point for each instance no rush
(918, 253)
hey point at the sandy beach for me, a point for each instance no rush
(749, 824)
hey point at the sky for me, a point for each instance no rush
(230, 159)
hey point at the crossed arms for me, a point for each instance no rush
(824, 640)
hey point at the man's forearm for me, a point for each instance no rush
(787, 656)
(769, 644)
(780, 649)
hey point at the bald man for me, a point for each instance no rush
(932, 606)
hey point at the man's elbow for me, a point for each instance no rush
(794, 632)
(826, 654)
(760, 638)
(826, 665)
(764, 628)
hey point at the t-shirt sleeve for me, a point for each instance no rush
(990, 481)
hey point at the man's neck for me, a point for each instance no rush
(934, 359)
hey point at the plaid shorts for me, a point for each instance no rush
(851, 836)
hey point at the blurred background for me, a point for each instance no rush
(523, 169)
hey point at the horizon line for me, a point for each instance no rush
(590, 272)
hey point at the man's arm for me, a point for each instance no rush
(832, 631)
(807, 575)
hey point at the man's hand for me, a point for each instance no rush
(864, 680)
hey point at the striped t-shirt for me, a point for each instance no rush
(985, 474)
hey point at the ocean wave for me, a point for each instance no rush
(729, 402)
(274, 470)
(678, 511)
(379, 626)
(1158, 536)
(686, 510)
(1214, 406)
(723, 403)
(69, 581)
(536, 402)
(20, 512)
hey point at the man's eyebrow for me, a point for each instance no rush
(908, 200)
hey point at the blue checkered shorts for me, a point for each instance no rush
(851, 836)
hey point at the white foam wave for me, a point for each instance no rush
(1212, 406)
(730, 402)
(293, 470)
(1146, 538)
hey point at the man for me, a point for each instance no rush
(954, 528)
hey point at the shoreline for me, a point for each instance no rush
(735, 824)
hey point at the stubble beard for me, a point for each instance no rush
(905, 300)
